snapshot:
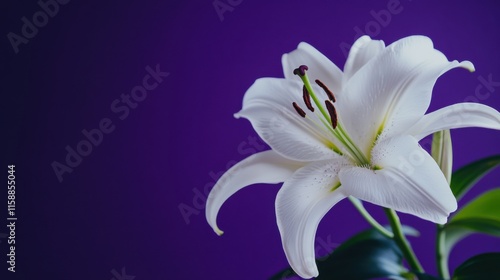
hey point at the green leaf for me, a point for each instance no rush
(488, 226)
(481, 215)
(484, 266)
(366, 255)
(464, 178)
(423, 276)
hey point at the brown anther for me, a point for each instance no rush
(301, 71)
(327, 90)
(332, 112)
(307, 99)
(299, 110)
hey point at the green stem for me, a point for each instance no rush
(441, 255)
(359, 206)
(402, 242)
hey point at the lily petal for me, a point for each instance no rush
(393, 90)
(320, 67)
(265, 167)
(456, 116)
(268, 106)
(300, 205)
(362, 51)
(410, 181)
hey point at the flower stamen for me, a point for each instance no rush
(330, 118)
(332, 112)
(299, 110)
(326, 89)
(301, 72)
(307, 99)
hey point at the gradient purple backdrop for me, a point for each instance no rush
(120, 206)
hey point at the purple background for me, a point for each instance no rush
(120, 206)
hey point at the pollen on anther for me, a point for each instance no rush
(299, 110)
(332, 112)
(326, 89)
(307, 99)
(301, 70)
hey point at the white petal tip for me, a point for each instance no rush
(442, 222)
(468, 65)
(302, 45)
(362, 40)
(218, 231)
(313, 274)
(237, 115)
(213, 224)
(452, 207)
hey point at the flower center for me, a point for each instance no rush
(328, 117)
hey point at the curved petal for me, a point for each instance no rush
(362, 51)
(410, 181)
(393, 90)
(300, 205)
(265, 167)
(456, 116)
(268, 106)
(320, 67)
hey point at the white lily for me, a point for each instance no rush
(363, 144)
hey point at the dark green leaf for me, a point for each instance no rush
(366, 255)
(488, 226)
(480, 267)
(423, 276)
(481, 215)
(284, 274)
(464, 178)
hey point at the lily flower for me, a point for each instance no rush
(349, 133)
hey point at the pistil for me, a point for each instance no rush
(330, 119)
(301, 72)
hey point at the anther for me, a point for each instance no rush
(301, 71)
(307, 99)
(332, 112)
(327, 90)
(299, 110)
